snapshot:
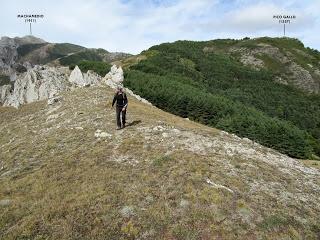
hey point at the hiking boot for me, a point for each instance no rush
(118, 128)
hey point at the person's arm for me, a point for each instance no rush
(114, 99)
(125, 101)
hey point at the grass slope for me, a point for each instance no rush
(163, 177)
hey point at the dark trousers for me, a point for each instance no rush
(123, 116)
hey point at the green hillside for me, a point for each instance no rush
(207, 82)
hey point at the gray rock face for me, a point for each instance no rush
(303, 79)
(39, 83)
(4, 92)
(92, 78)
(44, 82)
(83, 80)
(76, 77)
(114, 78)
(9, 55)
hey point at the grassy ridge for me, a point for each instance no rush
(86, 55)
(192, 80)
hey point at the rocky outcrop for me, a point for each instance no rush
(83, 80)
(91, 78)
(76, 77)
(114, 78)
(44, 82)
(38, 83)
(302, 79)
(9, 56)
(4, 92)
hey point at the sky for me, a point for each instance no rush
(135, 25)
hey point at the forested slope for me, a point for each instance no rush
(209, 82)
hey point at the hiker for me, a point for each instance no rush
(121, 107)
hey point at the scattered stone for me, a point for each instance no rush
(218, 185)
(165, 135)
(5, 202)
(54, 100)
(176, 131)
(184, 203)
(127, 211)
(100, 134)
(149, 199)
(158, 128)
(52, 117)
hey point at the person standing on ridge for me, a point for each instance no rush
(121, 107)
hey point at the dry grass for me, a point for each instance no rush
(64, 183)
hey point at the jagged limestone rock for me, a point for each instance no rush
(38, 83)
(44, 82)
(76, 77)
(83, 80)
(92, 78)
(114, 78)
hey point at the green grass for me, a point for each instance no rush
(271, 64)
(76, 58)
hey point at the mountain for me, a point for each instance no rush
(265, 89)
(18, 54)
(66, 173)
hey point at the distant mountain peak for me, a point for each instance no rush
(29, 39)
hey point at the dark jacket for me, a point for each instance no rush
(121, 99)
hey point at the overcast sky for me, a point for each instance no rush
(134, 25)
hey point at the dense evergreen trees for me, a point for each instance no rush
(214, 88)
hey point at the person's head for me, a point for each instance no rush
(119, 89)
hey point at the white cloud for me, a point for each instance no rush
(133, 26)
